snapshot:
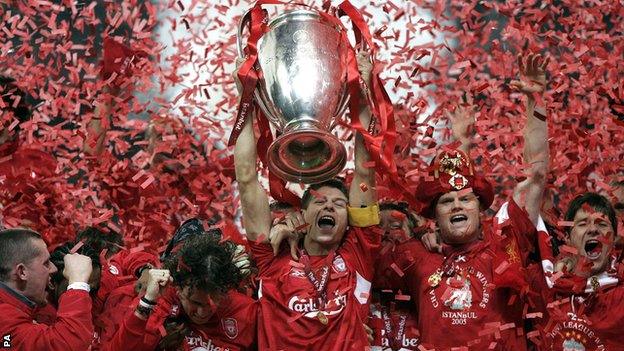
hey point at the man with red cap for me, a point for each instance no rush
(463, 295)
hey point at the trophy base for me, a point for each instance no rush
(306, 156)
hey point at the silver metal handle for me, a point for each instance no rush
(239, 35)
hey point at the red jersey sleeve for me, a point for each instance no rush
(263, 256)
(129, 262)
(362, 246)
(73, 329)
(130, 336)
(516, 223)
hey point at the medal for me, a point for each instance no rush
(319, 283)
(435, 278)
(322, 318)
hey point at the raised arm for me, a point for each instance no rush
(362, 191)
(99, 124)
(254, 199)
(528, 194)
(462, 120)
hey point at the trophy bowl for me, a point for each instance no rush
(302, 89)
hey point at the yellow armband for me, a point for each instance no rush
(364, 216)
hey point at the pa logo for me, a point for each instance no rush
(6, 341)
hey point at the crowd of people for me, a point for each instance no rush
(344, 270)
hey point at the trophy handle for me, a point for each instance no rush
(239, 35)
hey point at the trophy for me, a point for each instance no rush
(302, 90)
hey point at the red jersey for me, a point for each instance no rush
(457, 300)
(232, 328)
(588, 321)
(73, 329)
(393, 329)
(289, 302)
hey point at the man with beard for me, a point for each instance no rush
(321, 301)
(25, 270)
(581, 298)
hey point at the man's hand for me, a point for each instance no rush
(156, 283)
(292, 227)
(369, 333)
(431, 242)
(242, 260)
(532, 74)
(462, 120)
(175, 330)
(77, 268)
(365, 66)
(141, 283)
(239, 85)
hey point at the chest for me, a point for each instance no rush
(458, 291)
(595, 329)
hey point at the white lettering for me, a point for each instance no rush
(434, 300)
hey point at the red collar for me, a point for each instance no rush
(14, 298)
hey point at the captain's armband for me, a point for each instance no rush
(364, 216)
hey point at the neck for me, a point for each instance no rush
(314, 248)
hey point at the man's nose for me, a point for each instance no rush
(592, 228)
(456, 204)
(53, 268)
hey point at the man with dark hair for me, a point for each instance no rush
(585, 283)
(25, 270)
(322, 299)
(58, 282)
(202, 302)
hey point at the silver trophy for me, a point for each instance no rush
(302, 63)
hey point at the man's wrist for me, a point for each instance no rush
(79, 286)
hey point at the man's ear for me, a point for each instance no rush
(21, 271)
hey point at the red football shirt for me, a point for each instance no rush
(232, 327)
(289, 304)
(464, 308)
(402, 325)
(587, 321)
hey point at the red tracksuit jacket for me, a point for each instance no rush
(73, 329)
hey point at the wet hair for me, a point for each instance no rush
(335, 183)
(402, 207)
(58, 258)
(99, 239)
(16, 247)
(597, 202)
(204, 263)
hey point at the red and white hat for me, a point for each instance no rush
(451, 170)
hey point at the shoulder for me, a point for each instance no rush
(238, 304)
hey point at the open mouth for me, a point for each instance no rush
(459, 219)
(593, 249)
(326, 222)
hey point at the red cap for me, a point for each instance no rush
(451, 170)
